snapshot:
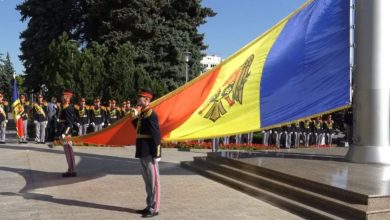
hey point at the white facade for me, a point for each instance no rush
(209, 62)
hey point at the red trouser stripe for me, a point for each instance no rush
(156, 186)
(71, 167)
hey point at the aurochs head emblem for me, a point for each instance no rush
(231, 92)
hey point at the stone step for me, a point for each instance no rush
(309, 198)
(295, 207)
(319, 196)
(316, 187)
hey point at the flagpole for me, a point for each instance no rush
(371, 96)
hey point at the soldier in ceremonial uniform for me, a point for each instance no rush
(126, 107)
(307, 127)
(24, 115)
(98, 116)
(4, 108)
(82, 117)
(123, 109)
(295, 134)
(40, 119)
(287, 136)
(238, 138)
(277, 133)
(250, 138)
(113, 113)
(52, 112)
(348, 124)
(18, 111)
(149, 152)
(66, 120)
(318, 130)
(266, 134)
(329, 130)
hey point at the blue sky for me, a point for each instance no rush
(10, 28)
(237, 23)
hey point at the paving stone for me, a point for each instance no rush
(109, 186)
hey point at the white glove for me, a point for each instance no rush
(63, 136)
(35, 122)
(58, 120)
(93, 124)
(78, 124)
(45, 123)
(103, 124)
(135, 112)
(6, 121)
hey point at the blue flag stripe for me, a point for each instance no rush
(307, 69)
(15, 94)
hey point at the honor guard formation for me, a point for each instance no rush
(40, 121)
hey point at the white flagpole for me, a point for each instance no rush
(371, 96)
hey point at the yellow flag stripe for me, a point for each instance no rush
(223, 114)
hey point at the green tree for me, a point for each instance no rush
(47, 20)
(20, 82)
(156, 34)
(1, 71)
(161, 31)
(6, 76)
(61, 66)
(92, 71)
(125, 77)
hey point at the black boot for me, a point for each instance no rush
(69, 174)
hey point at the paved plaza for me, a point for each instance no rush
(109, 186)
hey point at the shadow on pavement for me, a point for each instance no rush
(89, 167)
(68, 202)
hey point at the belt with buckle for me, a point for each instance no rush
(144, 136)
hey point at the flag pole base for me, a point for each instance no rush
(368, 154)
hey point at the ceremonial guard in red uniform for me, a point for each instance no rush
(24, 115)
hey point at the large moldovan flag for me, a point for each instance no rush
(297, 69)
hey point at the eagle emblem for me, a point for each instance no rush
(230, 92)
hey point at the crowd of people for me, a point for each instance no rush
(311, 131)
(45, 117)
(317, 131)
